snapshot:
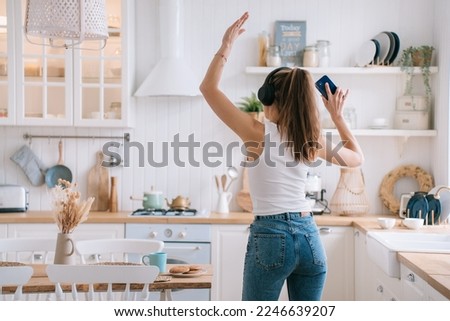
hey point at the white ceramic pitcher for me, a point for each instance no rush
(223, 203)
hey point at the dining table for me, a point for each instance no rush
(165, 282)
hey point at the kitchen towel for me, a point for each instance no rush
(30, 164)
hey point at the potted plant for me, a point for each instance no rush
(251, 105)
(417, 57)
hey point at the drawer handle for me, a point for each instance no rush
(380, 289)
(411, 278)
(325, 230)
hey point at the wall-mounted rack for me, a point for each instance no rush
(125, 137)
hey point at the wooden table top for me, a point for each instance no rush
(39, 282)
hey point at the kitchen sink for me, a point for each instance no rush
(382, 247)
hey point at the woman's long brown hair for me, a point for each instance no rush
(298, 115)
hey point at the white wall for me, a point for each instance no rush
(346, 23)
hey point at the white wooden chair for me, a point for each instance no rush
(28, 250)
(94, 275)
(116, 250)
(16, 276)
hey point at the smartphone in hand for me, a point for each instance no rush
(320, 85)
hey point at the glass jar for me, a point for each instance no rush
(263, 46)
(324, 52)
(350, 117)
(273, 56)
(310, 57)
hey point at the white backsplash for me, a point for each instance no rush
(346, 23)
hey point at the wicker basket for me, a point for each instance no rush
(350, 197)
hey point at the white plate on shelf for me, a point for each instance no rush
(378, 126)
(366, 53)
(385, 45)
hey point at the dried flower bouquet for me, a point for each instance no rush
(69, 210)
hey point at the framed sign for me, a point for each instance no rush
(291, 37)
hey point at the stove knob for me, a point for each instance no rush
(168, 233)
(153, 234)
(182, 235)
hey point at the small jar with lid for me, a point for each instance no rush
(273, 56)
(323, 47)
(310, 56)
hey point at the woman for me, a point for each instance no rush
(284, 242)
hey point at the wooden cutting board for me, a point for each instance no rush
(243, 198)
(98, 184)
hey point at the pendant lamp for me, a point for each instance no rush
(65, 23)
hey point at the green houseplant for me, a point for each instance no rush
(417, 57)
(251, 105)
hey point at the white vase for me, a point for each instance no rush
(65, 249)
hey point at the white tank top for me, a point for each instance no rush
(276, 180)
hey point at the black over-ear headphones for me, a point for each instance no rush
(266, 94)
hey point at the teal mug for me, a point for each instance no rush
(158, 259)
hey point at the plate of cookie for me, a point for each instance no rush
(186, 271)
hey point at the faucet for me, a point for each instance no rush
(436, 195)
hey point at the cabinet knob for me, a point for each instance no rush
(380, 289)
(411, 278)
(325, 230)
(356, 233)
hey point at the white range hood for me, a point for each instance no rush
(171, 76)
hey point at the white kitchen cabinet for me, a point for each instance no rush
(69, 87)
(385, 288)
(414, 288)
(338, 243)
(229, 244)
(364, 279)
(3, 231)
(7, 76)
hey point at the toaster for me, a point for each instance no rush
(13, 198)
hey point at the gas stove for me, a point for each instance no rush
(163, 212)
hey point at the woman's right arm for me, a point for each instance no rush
(241, 123)
(348, 153)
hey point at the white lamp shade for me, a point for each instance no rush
(75, 20)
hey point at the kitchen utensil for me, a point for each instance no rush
(98, 184)
(58, 171)
(224, 181)
(219, 186)
(233, 174)
(113, 202)
(151, 200)
(179, 203)
(243, 198)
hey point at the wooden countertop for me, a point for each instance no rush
(211, 218)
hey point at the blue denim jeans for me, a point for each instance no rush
(284, 247)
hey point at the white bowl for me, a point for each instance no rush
(386, 223)
(413, 223)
